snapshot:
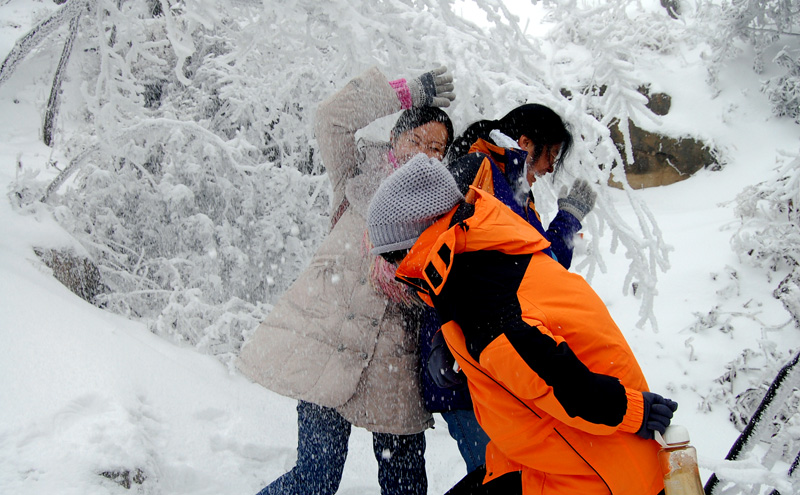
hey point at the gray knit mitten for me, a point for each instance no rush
(432, 89)
(579, 201)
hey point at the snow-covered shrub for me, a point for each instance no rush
(769, 235)
(762, 24)
(770, 230)
(784, 91)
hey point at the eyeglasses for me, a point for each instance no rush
(423, 144)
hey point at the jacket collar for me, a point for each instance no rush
(491, 227)
(511, 162)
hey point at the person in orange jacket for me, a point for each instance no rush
(553, 381)
(504, 158)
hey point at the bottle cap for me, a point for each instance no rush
(676, 434)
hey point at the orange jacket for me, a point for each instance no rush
(553, 381)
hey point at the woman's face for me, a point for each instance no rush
(430, 138)
(544, 164)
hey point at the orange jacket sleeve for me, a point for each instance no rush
(562, 387)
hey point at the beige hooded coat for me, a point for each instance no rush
(331, 339)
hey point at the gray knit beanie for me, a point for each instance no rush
(408, 202)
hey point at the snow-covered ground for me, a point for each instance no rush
(85, 392)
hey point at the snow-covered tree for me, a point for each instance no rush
(187, 126)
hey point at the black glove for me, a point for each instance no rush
(657, 414)
(579, 201)
(432, 89)
(440, 364)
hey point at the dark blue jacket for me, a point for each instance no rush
(500, 169)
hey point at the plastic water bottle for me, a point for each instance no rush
(678, 462)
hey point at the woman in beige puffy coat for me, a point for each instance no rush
(343, 339)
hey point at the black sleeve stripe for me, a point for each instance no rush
(594, 397)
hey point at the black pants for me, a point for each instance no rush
(472, 484)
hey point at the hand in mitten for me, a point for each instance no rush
(657, 414)
(432, 89)
(440, 364)
(579, 200)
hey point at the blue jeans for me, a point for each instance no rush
(472, 440)
(322, 437)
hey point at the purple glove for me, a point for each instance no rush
(657, 414)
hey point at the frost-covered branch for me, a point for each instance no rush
(55, 89)
(747, 472)
(74, 164)
(37, 34)
(768, 424)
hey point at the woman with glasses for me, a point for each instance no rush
(343, 339)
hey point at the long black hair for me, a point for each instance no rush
(537, 122)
